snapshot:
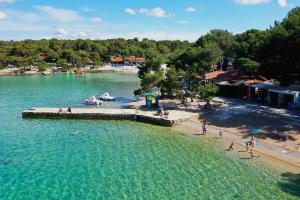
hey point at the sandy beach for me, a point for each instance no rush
(283, 156)
(268, 154)
(16, 71)
(127, 69)
(102, 69)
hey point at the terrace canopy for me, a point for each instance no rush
(276, 95)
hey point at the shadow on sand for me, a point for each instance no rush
(272, 126)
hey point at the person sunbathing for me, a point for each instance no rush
(158, 113)
(166, 114)
(161, 113)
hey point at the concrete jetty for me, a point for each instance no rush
(175, 116)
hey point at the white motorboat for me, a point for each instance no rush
(107, 97)
(93, 101)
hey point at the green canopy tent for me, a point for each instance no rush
(151, 96)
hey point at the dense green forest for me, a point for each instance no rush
(274, 53)
(80, 52)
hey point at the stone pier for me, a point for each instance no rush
(175, 116)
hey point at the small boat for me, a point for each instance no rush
(93, 101)
(107, 97)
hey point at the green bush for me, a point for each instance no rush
(207, 92)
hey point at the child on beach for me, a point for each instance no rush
(230, 148)
(221, 133)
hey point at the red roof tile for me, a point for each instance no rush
(134, 59)
(233, 76)
(129, 59)
(117, 59)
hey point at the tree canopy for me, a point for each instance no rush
(274, 52)
(247, 66)
(79, 52)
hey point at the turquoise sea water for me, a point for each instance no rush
(73, 159)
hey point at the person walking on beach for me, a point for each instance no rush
(252, 141)
(251, 154)
(221, 133)
(204, 127)
(247, 146)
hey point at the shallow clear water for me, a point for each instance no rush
(73, 159)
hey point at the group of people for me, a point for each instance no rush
(249, 144)
(204, 129)
(162, 113)
(186, 102)
(249, 147)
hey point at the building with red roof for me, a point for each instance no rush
(232, 83)
(233, 77)
(119, 60)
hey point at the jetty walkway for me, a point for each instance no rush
(174, 117)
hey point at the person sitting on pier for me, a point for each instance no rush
(158, 113)
(69, 109)
(60, 110)
(166, 114)
(161, 112)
